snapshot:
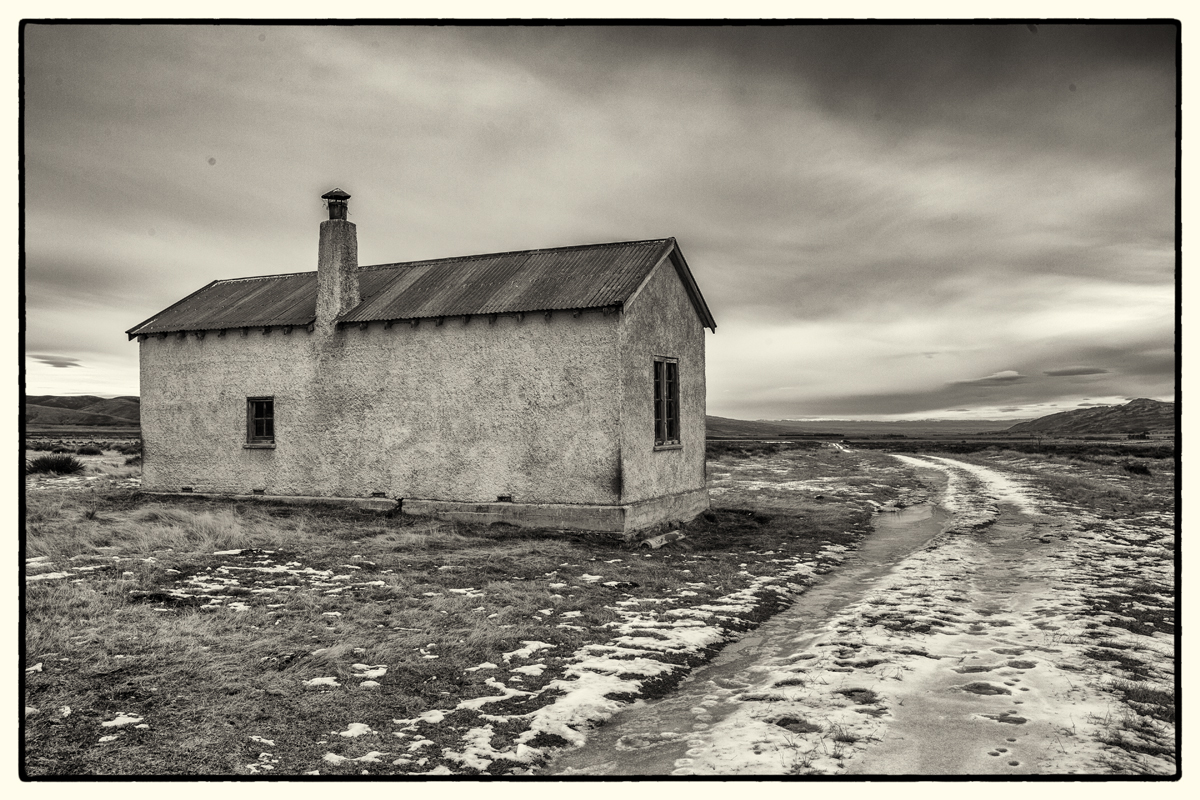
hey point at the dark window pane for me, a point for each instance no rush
(262, 420)
(659, 422)
(672, 401)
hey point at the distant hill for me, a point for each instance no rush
(723, 428)
(1136, 416)
(82, 410)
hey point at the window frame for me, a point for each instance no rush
(265, 439)
(664, 378)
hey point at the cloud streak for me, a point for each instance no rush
(1074, 371)
(59, 362)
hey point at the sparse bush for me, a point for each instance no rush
(797, 724)
(740, 448)
(1135, 467)
(862, 697)
(129, 449)
(88, 450)
(57, 464)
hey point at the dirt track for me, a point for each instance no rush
(971, 654)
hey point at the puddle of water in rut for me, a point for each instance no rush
(648, 739)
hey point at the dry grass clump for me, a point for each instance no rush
(55, 464)
(314, 590)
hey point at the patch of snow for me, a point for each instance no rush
(330, 682)
(529, 649)
(505, 693)
(355, 729)
(121, 721)
(47, 576)
(532, 670)
(365, 671)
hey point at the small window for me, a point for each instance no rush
(666, 401)
(260, 420)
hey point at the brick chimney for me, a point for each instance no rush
(337, 262)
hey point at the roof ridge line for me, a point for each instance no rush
(265, 277)
(451, 259)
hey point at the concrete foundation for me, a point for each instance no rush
(369, 503)
(559, 516)
(681, 508)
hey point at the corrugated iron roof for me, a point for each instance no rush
(240, 303)
(565, 278)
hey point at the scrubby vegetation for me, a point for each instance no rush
(83, 447)
(715, 448)
(57, 464)
(430, 600)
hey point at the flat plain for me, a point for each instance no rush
(206, 637)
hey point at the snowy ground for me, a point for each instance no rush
(982, 653)
(1011, 644)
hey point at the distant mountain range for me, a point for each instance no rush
(723, 428)
(84, 409)
(1136, 416)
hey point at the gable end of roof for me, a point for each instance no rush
(689, 283)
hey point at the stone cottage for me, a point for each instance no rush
(560, 388)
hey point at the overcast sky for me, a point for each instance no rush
(891, 221)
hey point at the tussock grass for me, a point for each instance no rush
(56, 463)
(115, 470)
(206, 679)
(745, 449)
(1154, 701)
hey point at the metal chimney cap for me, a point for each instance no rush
(335, 194)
